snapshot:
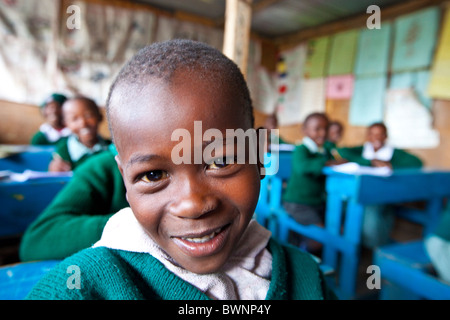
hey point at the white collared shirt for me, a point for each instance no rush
(384, 153)
(312, 146)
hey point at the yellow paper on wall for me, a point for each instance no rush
(439, 87)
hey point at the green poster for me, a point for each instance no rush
(316, 58)
(415, 38)
(342, 52)
(372, 55)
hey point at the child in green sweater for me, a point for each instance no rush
(53, 128)
(304, 198)
(379, 219)
(188, 233)
(82, 116)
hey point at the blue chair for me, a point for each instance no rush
(16, 281)
(406, 273)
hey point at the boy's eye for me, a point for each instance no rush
(219, 163)
(154, 176)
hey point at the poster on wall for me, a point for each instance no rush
(340, 87)
(372, 54)
(415, 80)
(414, 41)
(313, 97)
(289, 85)
(409, 122)
(342, 52)
(440, 72)
(316, 57)
(367, 103)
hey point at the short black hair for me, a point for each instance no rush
(315, 115)
(88, 102)
(379, 124)
(161, 60)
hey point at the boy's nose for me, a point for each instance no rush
(193, 202)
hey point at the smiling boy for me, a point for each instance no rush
(188, 233)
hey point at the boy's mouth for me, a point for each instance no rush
(203, 244)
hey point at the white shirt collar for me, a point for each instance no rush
(77, 149)
(312, 146)
(384, 153)
(246, 275)
(52, 134)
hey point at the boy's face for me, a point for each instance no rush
(53, 115)
(196, 213)
(316, 129)
(82, 120)
(377, 136)
(334, 133)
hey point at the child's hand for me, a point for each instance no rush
(58, 165)
(380, 163)
(335, 162)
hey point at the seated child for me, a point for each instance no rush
(53, 128)
(335, 132)
(304, 198)
(82, 116)
(437, 246)
(376, 152)
(72, 223)
(188, 233)
(379, 219)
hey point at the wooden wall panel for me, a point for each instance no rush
(18, 122)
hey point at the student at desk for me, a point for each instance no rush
(75, 218)
(379, 219)
(82, 116)
(305, 195)
(376, 152)
(53, 128)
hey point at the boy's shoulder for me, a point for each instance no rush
(297, 270)
(110, 274)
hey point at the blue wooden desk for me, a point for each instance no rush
(35, 158)
(357, 191)
(22, 202)
(342, 233)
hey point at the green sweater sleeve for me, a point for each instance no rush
(304, 162)
(354, 154)
(76, 217)
(39, 139)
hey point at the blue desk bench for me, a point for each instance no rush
(406, 273)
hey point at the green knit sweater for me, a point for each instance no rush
(61, 148)
(400, 158)
(76, 217)
(109, 274)
(307, 182)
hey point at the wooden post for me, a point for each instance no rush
(238, 15)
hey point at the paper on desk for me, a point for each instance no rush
(30, 174)
(354, 168)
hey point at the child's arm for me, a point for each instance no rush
(76, 217)
(354, 154)
(58, 164)
(305, 163)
